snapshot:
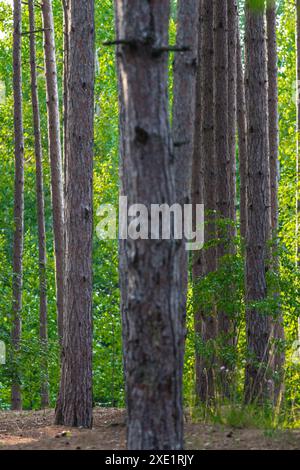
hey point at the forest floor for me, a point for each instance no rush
(34, 430)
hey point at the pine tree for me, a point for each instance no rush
(205, 181)
(184, 109)
(40, 211)
(224, 164)
(18, 243)
(278, 355)
(65, 84)
(74, 406)
(153, 335)
(55, 155)
(232, 103)
(242, 136)
(258, 203)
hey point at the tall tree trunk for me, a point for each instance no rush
(232, 103)
(298, 145)
(197, 198)
(242, 136)
(185, 68)
(40, 211)
(223, 161)
(65, 84)
(74, 407)
(273, 110)
(16, 399)
(55, 156)
(205, 322)
(278, 356)
(124, 184)
(258, 203)
(232, 141)
(184, 109)
(153, 344)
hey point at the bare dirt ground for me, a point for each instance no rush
(34, 430)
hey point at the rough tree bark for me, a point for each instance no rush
(185, 68)
(65, 85)
(273, 110)
(184, 109)
(232, 103)
(242, 136)
(223, 162)
(153, 343)
(74, 406)
(16, 398)
(232, 141)
(55, 156)
(40, 211)
(197, 198)
(205, 322)
(278, 355)
(258, 203)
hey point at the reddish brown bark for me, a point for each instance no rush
(258, 204)
(74, 406)
(153, 334)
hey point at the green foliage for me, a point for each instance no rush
(223, 291)
(108, 371)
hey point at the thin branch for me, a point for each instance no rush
(156, 51)
(25, 33)
(117, 42)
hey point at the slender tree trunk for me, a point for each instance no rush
(153, 344)
(242, 137)
(40, 211)
(55, 156)
(65, 109)
(278, 355)
(184, 109)
(298, 145)
(232, 103)
(223, 164)
(258, 203)
(273, 110)
(185, 68)
(65, 85)
(16, 399)
(232, 141)
(205, 322)
(197, 198)
(74, 407)
(124, 184)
